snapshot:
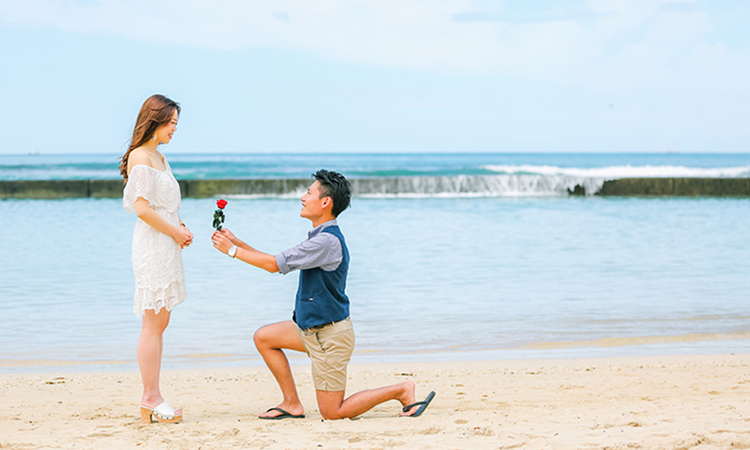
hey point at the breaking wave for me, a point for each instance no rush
(626, 171)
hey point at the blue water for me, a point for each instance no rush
(192, 166)
(430, 278)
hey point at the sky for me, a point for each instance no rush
(379, 75)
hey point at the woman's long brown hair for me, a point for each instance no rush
(156, 111)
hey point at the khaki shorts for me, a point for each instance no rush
(330, 349)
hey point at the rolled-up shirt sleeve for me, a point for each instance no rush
(322, 250)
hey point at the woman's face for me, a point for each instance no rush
(164, 133)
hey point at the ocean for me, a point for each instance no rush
(518, 270)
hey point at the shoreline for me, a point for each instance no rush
(300, 362)
(724, 343)
(642, 402)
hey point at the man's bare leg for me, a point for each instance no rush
(270, 341)
(333, 406)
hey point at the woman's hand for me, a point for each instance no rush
(182, 236)
(190, 241)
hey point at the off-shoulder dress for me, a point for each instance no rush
(157, 258)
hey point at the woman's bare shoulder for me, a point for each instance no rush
(138, 157)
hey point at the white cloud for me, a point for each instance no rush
(608, 45)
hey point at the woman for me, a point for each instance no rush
(152, 192)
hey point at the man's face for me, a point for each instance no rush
(312, 204)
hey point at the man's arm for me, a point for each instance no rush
(246, 253)
(322, 251)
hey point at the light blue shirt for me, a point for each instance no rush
(320, 249)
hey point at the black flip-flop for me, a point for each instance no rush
(283, 415)
(425, 403)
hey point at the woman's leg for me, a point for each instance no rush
(149, 355)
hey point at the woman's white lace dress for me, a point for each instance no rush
(157, 258)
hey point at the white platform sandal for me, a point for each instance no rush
(162, 413)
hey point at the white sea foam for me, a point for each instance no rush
(294, 195)
(518, 181)
(475, 186)
(626, 171)
(458, 187)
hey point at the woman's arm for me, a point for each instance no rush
(181, 235)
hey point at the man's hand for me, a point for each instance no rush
(223, 240)
(231, 236)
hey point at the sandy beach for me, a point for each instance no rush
(671, 402)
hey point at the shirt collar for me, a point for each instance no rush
(321, 227)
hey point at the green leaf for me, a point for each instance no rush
(222, 219)
(216, 223)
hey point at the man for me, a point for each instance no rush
(320, 325)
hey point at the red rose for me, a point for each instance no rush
(219, 214)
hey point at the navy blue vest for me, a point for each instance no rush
(320, 296)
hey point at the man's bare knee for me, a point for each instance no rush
(261, 337)
(331, 415)
(330, 403)
(268, 337)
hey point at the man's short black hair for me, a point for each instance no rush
(336, 186)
